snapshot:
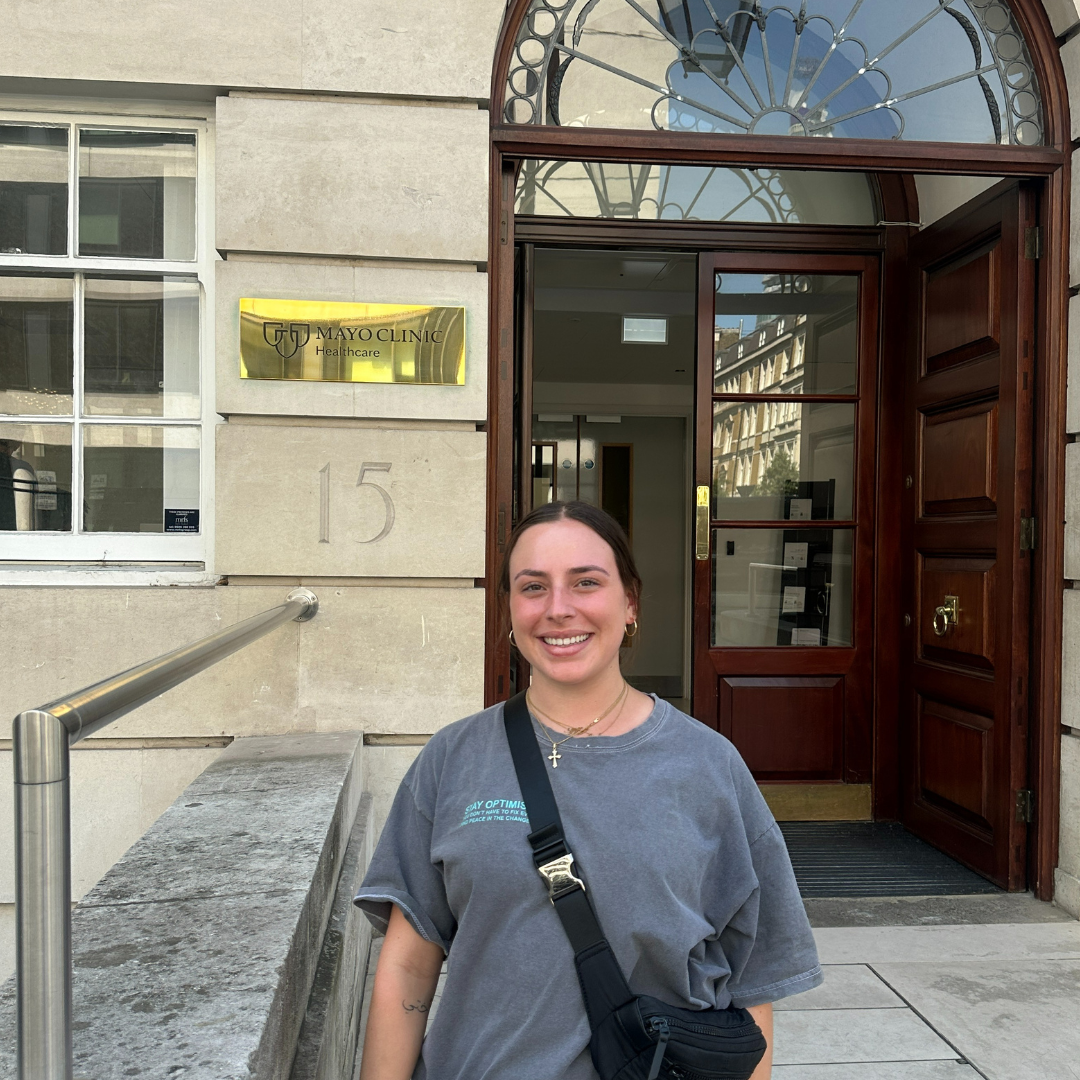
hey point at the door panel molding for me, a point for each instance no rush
(972, 459)
(969, 642)
(962, 321)
(958, 460)
(945, 736)
(785, 728)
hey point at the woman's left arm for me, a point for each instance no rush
(762, 1014)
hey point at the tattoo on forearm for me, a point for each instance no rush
(417, 1006)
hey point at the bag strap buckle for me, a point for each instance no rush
(560, 877)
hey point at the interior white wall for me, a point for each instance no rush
(658, 532)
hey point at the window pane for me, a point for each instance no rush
(870, 69)
(141, 479)
(35, 477)
(783, 460)
(782, 587)
(141, 347)
(36, 314)
(693, 193)
(137, 194)
(786, 334)
(33, 190)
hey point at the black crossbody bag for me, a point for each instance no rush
(634, 1037)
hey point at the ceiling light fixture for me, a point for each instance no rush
(644, 330)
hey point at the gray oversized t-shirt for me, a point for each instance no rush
(685, 865)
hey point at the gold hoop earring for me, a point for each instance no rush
(510, 638)
(635, 626)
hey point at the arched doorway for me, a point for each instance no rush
(630, 99)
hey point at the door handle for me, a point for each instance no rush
(946, 614)
(701, 523)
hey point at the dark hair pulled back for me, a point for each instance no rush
(601, 523)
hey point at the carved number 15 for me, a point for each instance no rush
(324, 500)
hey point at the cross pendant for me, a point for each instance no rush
(554, 757)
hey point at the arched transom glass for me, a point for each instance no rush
(941, 70)
(639, 192)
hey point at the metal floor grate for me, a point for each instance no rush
(873, 858)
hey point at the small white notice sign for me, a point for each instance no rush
(45, 491)
(794, 599)
(806, 635)
(800, 509)
(796, 554)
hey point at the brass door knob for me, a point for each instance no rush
(946, 614)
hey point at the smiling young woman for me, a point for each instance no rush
(686, 869)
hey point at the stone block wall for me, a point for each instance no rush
(349, 163)
(225, 943)
(1065, 19)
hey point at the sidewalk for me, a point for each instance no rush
(932, 1001)
(939, 988)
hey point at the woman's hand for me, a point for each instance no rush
(405, 982)
(762, 1015)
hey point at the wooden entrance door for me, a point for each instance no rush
(967, 573)
(785, 458)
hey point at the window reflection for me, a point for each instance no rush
(137, 194)
(693, 193)
(785, 334)
(871, 69)
(35, 478)
(141, 347)
(140, 479)
(783, 460)
(782, 587)
(33, 190)
(35, 345)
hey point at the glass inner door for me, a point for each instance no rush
(785, 449)
(785, 362)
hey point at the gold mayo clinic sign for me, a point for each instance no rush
(317, 341)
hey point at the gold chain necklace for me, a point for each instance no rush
(555, 757)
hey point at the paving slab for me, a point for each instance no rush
(937, 944)
(879, 1070)
(932, 910)
(846, 986)
(833, 1036)
(1013, 1021)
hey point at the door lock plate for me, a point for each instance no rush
(701, 523)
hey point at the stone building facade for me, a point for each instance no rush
(338, 152)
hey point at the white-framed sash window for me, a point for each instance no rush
(106, 404)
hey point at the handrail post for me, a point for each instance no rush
(43, 896)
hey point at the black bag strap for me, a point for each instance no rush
(603, 985)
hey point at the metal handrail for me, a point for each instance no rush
(41, 740)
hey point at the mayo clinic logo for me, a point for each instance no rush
(287, 342)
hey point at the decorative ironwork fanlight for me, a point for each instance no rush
(588, 189)
(945, 70)
(648, 192)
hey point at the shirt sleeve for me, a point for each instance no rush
(402, 873)
(769, 941)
